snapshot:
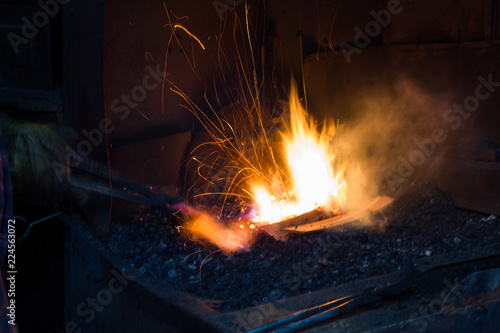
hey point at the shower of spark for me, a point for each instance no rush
(256, 165)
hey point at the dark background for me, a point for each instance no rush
(92, 52)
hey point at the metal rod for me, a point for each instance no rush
(26, 232)
(300, 315)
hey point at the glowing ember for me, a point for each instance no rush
(310, 158)
(203, 227)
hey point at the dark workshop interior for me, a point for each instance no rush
(250, 166)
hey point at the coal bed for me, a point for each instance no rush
(422, 222)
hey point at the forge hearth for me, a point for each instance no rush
(183, 286)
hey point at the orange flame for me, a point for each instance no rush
(310, 158)
(202, 227)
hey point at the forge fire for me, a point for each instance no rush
(249, 166)
(303, 181)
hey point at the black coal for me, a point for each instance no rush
(422, 222)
